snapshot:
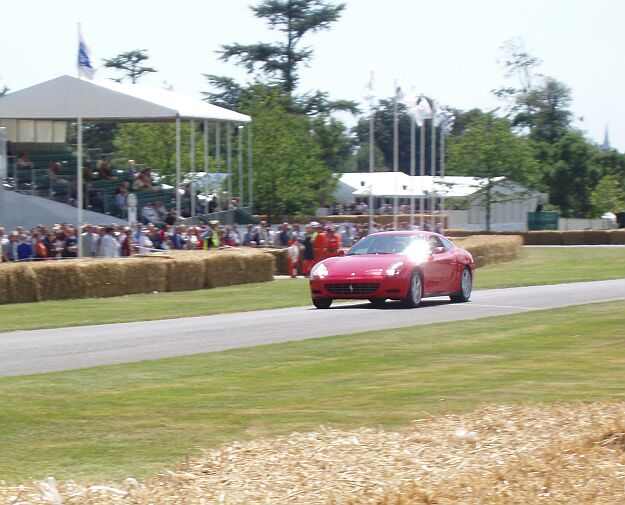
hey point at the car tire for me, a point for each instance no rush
(322, 303)
(377, 302)
(415, 291)
(466, 287)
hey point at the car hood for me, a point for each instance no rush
(363, 265)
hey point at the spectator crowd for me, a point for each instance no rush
(305, 244)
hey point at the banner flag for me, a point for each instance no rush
(86, 66)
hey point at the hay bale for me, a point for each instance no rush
(544, 237)
(489, 249)
(185, 273)
(224, 268)
(116, 277)
(58, 280)
(259, 267)
(18, 283)
(616, 237)
(573, 237)
(596, 237)
(281, 260)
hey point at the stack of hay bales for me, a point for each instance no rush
(488, 249)
(174, 271)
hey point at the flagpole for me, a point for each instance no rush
(79, 175)
(442, 162)
(192, 163)
(413, 163)
(395, 155)
(433, 166)
(421, 172)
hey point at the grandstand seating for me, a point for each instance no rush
(37, 181)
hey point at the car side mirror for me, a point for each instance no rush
(341, 252)
(438, 250)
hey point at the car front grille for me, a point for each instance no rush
(352, 289)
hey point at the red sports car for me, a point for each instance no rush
(400, 265)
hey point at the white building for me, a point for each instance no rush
(509, 213)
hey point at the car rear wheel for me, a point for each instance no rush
(322, 303)
(415, 291)
(466, 287)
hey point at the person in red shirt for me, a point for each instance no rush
(333, 242)
(319, 243)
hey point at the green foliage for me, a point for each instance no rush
(489, 149)
(130, 63)
(289, 176)
(154, 144)
(570, 175)
(294, 19)
(336, 146)
(608, 196)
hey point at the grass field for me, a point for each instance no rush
(112, 422)
(540, 265)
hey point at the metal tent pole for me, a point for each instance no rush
(218, 160)
(240, 160)
(250, 170)
(229, 159)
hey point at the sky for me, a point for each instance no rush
(450, 50)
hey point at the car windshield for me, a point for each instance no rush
(386, 244)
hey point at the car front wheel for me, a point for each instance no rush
(466, 287)
(415, 291)
(322, 303)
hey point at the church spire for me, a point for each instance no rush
(606, 141)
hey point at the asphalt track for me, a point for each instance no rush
(40, 351)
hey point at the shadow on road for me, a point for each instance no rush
(388, 305)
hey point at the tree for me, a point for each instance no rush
(280, 60)
(538, 105)
(289, 176)
(130, 63)
(3, 89)
(490, 150)
(570, 174)
(154, 145)
(608, 196)
(545, 111)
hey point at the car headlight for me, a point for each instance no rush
(395, 268)
(319, 271)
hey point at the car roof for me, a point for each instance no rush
(406, 232)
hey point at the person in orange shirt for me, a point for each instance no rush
(333, 242)
(319, 242)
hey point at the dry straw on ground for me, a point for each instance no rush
(544, 454)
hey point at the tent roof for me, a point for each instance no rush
(66, 98)
(385, 184)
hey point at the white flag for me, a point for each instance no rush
(369, 94)
(424, 108)
(399, 93)
(86, 64)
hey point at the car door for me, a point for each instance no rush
(441, 267)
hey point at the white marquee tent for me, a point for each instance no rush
(71, 99)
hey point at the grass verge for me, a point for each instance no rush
(112, 422)
(535, 266)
